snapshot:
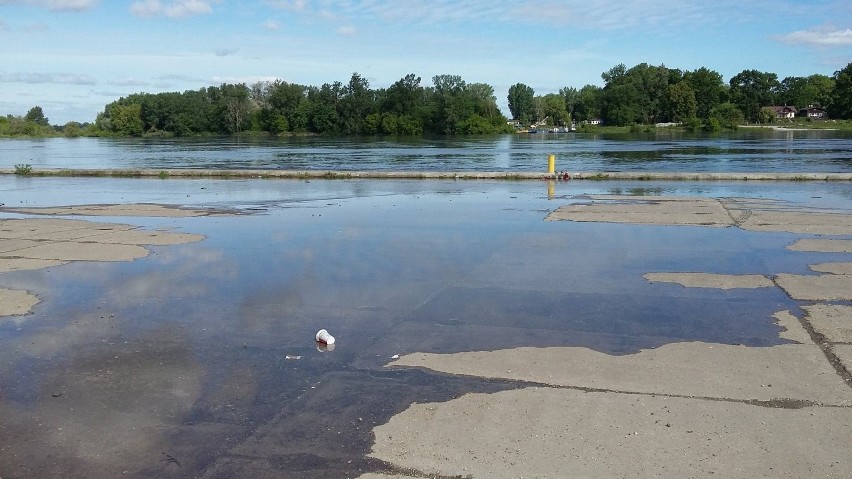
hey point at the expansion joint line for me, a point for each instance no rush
(778, 403)
(738, 221)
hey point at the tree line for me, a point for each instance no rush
(646, 94)
(449, 106)
(642, 94)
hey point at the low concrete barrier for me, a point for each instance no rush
(436, 175)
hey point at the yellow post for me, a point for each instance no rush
(551, 189)
(551, 164)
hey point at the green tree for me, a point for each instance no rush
(588, 103)
(555, 110)
(726, 115)
(450, 108)
(36, 115)
(636, 95)
(680, 102)
(127, 119)
(405, 96)
(766, 115)
(802, 92)
(841, 98)
(709, 88)
(571, 96)
(356, 103)
(521, 102)
(751, 90)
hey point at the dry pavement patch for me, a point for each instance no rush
(16, 302)
(833, 268)
(725, 372)
(141, 209)
(822, 245)
(556, 433)
(828, 287)
(833, 321)
(710, 280)
(696, 211)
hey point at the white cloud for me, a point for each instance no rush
(292, 5)
(347, 30)
(819, 37)
(271, 25)
(172, 9)
(57, 5)
(602, 14)
(59, 78)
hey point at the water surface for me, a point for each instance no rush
(747, 150)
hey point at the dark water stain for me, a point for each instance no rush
(176, 365)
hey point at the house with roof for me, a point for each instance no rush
(783, 112)
(813, 113)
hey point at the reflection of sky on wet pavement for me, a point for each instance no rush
(184, 351)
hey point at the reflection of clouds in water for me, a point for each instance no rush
(192, 270)
(111, 404)
(78, 328)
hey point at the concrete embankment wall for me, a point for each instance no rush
(428, 175)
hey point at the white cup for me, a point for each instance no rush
(324, 337)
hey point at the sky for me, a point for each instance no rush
(72, 57)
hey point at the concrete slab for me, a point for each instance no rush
(708, 280)
(12, 245)
(16, 302)
(73, 251)
(822, 245)
(799, 222)
(138, 210)
(829, 287)
(646, 210)
(844, 354)
(833, 321)
(792, 329)
(24, 264)
(833, 268)
(671, 210)
(556, 433)
(792, 372)
(140, 237)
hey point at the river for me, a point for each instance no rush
(746, 150)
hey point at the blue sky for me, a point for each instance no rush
(72, 57)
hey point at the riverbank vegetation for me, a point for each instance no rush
(631, 99)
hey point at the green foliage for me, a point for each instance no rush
(766, 115)
(841, 98)
(806, 91)
(726, 115)
(692, 124)
(636, 95)
(641, 95)
(751, 90)
(23, 169)
(709, 89)
(11, 126)
(36, 115)
(521, 102)
(680, 103)
(713, 125)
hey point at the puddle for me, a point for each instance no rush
(176, 364)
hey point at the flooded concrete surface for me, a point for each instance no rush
(197, 358)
